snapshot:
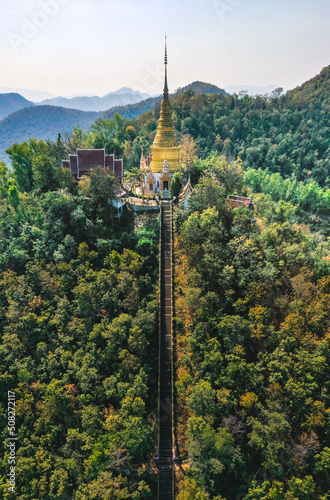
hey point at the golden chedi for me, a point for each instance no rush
(164, 161)
(165, 144)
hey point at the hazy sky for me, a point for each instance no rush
(95, 46)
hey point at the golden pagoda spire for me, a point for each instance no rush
(165, 140)
(165, 62)
(165, 133)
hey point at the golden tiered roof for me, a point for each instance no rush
(165, 144)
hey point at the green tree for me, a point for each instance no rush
(21, 156)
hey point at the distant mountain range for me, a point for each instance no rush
(13, 101)
(45, 121)
(121, 97)
(135, 110)
(30, 95)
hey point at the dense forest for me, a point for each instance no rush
(79, 305)
(252, 348)
(288, 134)
(78, 294)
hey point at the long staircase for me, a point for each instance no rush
(166, 449)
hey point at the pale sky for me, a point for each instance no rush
(70, 47)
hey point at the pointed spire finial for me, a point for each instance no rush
(165, 48)
(165, 62)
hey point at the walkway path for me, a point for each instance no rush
(165, 463)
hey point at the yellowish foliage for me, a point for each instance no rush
(248, 400)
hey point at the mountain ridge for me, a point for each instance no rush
(22, 124)
(41, 122)
(50, 120)
(123, 96)
(314, 89)
(201, 87)
(135, 110)
(11, 102)
(30, 95)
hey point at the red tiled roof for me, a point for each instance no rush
(73, 163)
(87, 159)
(109, 162)
(119, 168)
(90, 158)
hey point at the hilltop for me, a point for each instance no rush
(9, 103)
(314, 91)
(135, 110)
(79, 315)
(202, 88)
(31, 95)
(80, 309)
(288, 134)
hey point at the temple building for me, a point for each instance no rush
(87, 159)
(164, 160)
